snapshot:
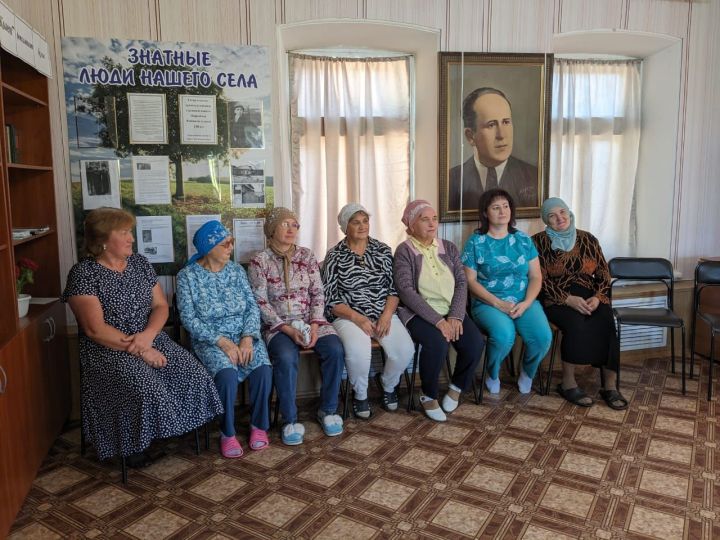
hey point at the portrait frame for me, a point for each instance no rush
(526, 81)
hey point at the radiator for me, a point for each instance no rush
(634, 338)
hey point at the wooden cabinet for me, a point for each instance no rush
(34, 374)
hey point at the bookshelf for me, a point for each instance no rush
(34, 374)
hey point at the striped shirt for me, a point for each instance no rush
(361, 282)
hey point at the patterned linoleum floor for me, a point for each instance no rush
(516, 467)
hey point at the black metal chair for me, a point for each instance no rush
(707, 274)
(556, 337)
(655, 270)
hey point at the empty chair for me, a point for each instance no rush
(647, 269)
(707, 274)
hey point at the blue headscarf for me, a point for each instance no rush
(207, 237)
(562, 240)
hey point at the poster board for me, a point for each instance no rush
(168, 114)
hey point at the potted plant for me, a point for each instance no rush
(24, 270)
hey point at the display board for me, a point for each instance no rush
(175, 133)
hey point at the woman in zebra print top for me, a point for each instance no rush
(360, 302)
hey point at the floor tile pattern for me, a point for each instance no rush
(529, 467)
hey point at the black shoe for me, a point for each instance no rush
(361, 409)
(388, 400)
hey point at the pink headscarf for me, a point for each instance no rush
(413, 211)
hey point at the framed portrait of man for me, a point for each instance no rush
(494, 130)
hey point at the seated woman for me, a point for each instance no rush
(286, 281)
(431, 284)
(138, 384)
(576, 281)
(504, 279)
(218, 310)
(360, 301)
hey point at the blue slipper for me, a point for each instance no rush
(332, 424)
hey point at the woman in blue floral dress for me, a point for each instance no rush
(504, 279)
(219, 311)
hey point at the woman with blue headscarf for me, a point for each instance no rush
(219, 311)
(575, 286)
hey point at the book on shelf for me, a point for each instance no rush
(26, 232)
(11, 143)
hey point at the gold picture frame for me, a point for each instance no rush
(525, 83)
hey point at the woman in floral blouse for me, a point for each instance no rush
(219, 312)
(286, 281)
(575, 284)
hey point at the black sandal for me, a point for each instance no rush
(575, 396)
(388, 400)
(612, 397)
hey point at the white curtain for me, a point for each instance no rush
(350, 143)
(594, 149)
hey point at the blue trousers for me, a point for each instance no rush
(435, 348)
(284, 356)
(260, 382)
(532, 326)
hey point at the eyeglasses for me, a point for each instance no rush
(289, 224)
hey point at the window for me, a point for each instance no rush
(595, 146)
(350, 142)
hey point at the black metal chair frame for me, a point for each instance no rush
(707, 274)
(656, 270)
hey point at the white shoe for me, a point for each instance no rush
(524, 383)
(436, 414)
(449, 404)
(493, 385)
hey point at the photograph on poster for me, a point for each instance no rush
(248, 184)
(100, 183)
(95, 122)
(202, 180)
(245, 124)
(494, 125)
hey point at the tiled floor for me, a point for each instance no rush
(516, 467)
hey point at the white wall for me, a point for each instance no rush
(469, 25)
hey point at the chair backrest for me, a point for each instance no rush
(643, 269)
(707, 274)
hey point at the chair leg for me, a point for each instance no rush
(682, 352)
(123, 469)
(481, 389)
(552, 361)
(617, 378)
(345, 385)
(692, 344)
(672, 348)
(197, 442)
(207, 435)
(411, 385)
(510, 361)
(710, 367)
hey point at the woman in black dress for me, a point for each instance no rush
(138, 384)
(574, 292)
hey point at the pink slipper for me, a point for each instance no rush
(258, 439)
(230, 447)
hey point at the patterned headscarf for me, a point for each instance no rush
(276, 216)
(207, 237)
(347, 212)
(413, 210)
(560, 240)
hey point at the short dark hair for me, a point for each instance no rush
(468, 109)
(486, 199)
